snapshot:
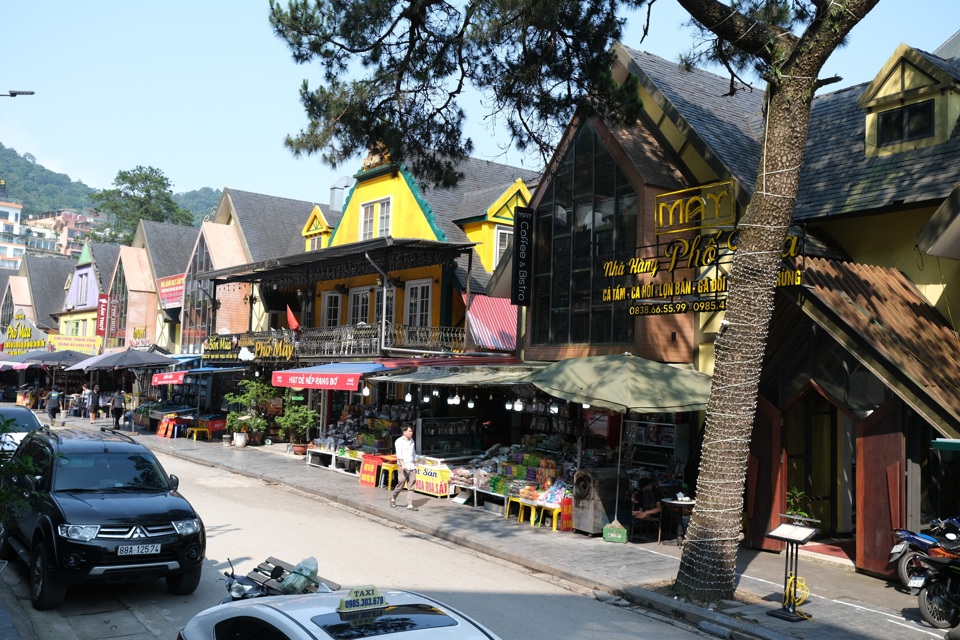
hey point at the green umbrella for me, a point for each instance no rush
(624, 382)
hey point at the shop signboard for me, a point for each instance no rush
(168, 377)
(22, 335)
(103, 303)
(520, 286)
(240, 348)
(686, 270)
(433, 480)
(171, 290)
(83, 344)
(369, 470)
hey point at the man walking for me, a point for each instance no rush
(407, 466)
(118, 406)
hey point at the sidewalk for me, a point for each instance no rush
(843, 604)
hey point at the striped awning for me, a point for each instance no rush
(493, 323)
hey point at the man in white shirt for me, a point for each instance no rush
(406, 465)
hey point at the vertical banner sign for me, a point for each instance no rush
(103, 303)
(520, 285)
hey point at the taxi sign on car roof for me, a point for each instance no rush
(363, 597)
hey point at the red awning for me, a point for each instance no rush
(168, 377)
(340, 376)
(493, 323)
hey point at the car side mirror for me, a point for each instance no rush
(174, 483)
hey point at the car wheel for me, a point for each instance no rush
(183, 584)
(45, 592)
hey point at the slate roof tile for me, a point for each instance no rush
(169, 246)
(47, 276)
(271, 225)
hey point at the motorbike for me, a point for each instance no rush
(274, 577)
(939, 590)
(910, 545)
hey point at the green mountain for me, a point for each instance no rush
(40, 189)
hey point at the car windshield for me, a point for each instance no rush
(377, 622)
(109, 471)
(20, 423)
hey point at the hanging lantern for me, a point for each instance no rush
(408, 397)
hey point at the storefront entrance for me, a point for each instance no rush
(820, 447)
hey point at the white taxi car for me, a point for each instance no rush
(361, 612)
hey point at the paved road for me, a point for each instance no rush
(843, 604)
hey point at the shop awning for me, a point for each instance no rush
(461, 376)
(340, 376)
(493, 323)
(946, 444)
(176, 377)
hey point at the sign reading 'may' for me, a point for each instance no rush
(711, 205)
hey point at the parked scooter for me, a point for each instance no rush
(910, 545)
(274, 577)
(939, 595)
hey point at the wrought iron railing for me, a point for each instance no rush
(364, 340)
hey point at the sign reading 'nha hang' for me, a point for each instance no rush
(686, 270)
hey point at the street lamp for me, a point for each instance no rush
(14, 94)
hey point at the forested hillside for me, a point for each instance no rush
(40, 189)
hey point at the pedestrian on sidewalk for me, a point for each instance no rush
(407, 466)
(85, 401)
(94, 403)
(54, 404)
(118, 405)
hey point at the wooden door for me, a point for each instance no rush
(881, 485)
(766, 478)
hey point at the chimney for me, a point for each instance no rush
(338, 193)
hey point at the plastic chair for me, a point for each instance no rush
(389, 470)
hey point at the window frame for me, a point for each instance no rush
(903, 114)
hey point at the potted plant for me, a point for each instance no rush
(251, 416)
(295, 423)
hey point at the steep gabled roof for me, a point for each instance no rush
(838, 178)
(726, 130)
(104, 256)
(136, 269)
(5, 275)
(270, 226)
(448, 205)
(169, 246)
(47, 276)
(887, 324)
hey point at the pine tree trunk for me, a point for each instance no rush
(707, 567)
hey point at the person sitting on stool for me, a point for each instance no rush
(646, 499)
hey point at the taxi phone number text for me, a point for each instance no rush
(667, 308)
(356, 603)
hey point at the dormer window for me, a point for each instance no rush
(912, 122)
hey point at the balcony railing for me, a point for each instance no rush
(364, 340)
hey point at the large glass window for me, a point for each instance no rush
(378, 310)
(117, 311)
(586, 218)
(199, 309)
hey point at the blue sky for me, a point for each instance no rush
(203, 90)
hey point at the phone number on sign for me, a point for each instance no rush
(356, 603)
(668, 308)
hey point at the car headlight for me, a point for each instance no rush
(187, 527)
(83, 532)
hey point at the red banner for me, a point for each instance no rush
(103, 303)
(168, 377)
(338, 381)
